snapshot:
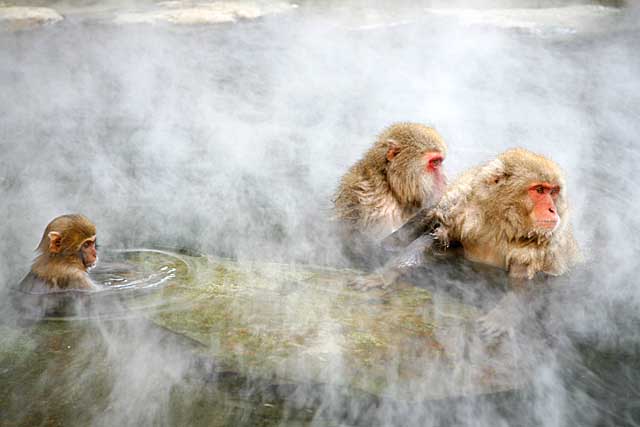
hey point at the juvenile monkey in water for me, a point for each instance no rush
(398, 175)
(67, 250)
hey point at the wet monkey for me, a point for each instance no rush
(398, 175)
(510, 213)
(67, 250)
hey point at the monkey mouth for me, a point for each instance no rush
(89, 266)
(551, 223)
(547, 225)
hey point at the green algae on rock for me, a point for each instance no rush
(303, 324)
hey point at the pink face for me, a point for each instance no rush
(433, 166)
(89, 252)
(544, 213)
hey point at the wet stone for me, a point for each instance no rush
(303, 324)
(14, 18)
(299, 324)
(201, 13)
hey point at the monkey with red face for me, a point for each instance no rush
(511, 213)
(400, 174)
(67, 250)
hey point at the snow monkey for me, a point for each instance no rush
(67, 250)
(510, 213)
(398, 175)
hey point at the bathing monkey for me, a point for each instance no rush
(511, 213)
(67, 250)
(398, 175)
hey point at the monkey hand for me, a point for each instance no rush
(495, 324)
(368, 282)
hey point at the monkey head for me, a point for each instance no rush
(72, 237)
(525, 193)
(413, 156)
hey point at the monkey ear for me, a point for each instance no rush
(494, 173)
(495, 178)
(55, 242)
(498, 177)
(394, 148)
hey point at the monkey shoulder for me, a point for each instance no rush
(34, 284)
(458, 197)
(458, 217)
(357, 189)
(370, 205)
(58, 281)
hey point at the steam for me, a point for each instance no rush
(231, 139)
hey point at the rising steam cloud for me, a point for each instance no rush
(230, 139)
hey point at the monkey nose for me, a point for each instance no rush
(552, 210)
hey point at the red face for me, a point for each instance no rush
(89, 252)
(433, 166)
(544, 213)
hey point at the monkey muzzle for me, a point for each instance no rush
(88, 265)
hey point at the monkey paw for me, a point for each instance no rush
(368, 282)
(494, 325)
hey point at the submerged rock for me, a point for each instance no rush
(298, 323)
(14, 18)
(303, 324)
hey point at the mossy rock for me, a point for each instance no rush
(304, 324)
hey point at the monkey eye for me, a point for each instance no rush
(435, 162)
(86, 244)
(555, 190)
(540, 189)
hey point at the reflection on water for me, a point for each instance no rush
(247, 112)
(71, 373)
(135, 270)
(120, 275)
(218, 342)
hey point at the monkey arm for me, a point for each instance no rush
(518, 307)
(411, 257)
(421, 223)
(504, 317)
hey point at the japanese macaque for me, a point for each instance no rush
(400, 174)
(67, 250)
(510, 213)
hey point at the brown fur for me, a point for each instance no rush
(486, 210)
(65, 269)
(378, 195)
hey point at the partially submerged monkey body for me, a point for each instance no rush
(66, 252)
(510, 213)
(400, 174)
